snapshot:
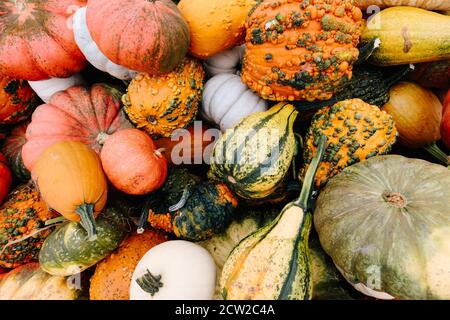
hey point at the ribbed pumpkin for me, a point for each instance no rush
(162, 104)
(80, 114)
(385, 223)
(5, 177)
(22, 215)
(297, 50)
(17, 100)
(35, 40)
(215, 25)
(12, 149)
(112, 277)
(142, 35)
(253, 158)
(70, 178)
(190, 208)
(356, 131)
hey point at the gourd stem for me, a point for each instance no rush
(182, 201)
(86, 213)
(143, 219)
(150, 283)
(399, 75)
(308, 182)
(367, 50)
(433, 149)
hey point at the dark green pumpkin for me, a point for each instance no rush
(190, 209)
(68, 251)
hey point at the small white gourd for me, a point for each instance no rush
(45, 89)
(224, 62)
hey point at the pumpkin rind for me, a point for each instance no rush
(80, 114)
(300, 51)
(162, 104)
(385, 222)
(23, 213)
(146, 36)
(12, 149)
(253, 158)
(35, 41)
(356, 131)
(112, 277)
(17, 100)
(69, 251)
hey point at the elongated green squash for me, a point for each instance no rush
(274, 262)
(408, 35)
(68, 250)
(254, 157)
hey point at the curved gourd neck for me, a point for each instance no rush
(308, 182)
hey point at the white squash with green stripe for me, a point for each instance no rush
(274, 262)
(254, 157)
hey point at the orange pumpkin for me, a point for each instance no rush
(5, 178)
(132, 163)
(70, 178)
(36, 42)
(112, 277)
(215, 25)
(192, 146)
(300, 51)
(162, 104)
(142, 35)
(17, 100)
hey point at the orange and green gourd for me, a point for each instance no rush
(355, 130)
(162, 104)
(22, 215)
(301, 49)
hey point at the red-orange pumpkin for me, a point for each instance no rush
(5, 178)
(143, 35)
(132, 163)
(445, 125)
(36, 41)
(12, 149)
(17, 100)
(82, 114)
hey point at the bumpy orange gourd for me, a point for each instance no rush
(215, 25)
(112, 277)
(17, 100)
(70, 178)
(300, 50)
(162, 104)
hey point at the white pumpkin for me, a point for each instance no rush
(92, 52)
(224, 62)
(174, 270)
(227, 100)
(45, 89)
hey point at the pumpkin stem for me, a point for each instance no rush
(395, 199)
(150, 283)
(308, 182)
(159, 152)
(182, 201)
(437, 153)
(86, 213)
(101, 138)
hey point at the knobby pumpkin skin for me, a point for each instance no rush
(70, 178)
(35, 40)
(356, 131)
(386, 225)
(132, 163)
(298, 51)
(215, 25)
(12, 149)
(17, 100)
(112, 277)
(146, 36)
(69, 250)
(23, 214)
(5, 178)
(82, 114)
(162, 104)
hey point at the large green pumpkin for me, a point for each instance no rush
(386, 224)
(68, 250)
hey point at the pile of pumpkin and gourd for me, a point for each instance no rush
(96, 194)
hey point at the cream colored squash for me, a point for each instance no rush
(225, 62)
(46, 88)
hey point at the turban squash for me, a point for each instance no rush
(35, 41)
(162, 104)
(82, 114)
(300, 51)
